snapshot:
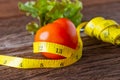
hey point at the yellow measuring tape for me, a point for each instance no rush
(102, 29)
(72, 55)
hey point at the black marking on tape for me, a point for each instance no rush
(21, 65)
(61, 64)
(77, 57)
(41, 65)
(58, 50)
(5, 62)
(72, 54)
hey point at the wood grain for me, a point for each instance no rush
(97, 2)
(100, 61)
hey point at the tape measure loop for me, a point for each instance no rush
(89, 28)
(102, 26)
(104, 29)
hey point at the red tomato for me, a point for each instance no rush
(61, 31)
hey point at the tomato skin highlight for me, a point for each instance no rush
(61, 31)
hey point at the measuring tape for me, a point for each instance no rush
(102, 29)
(72, 55)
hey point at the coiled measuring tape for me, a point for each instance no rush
(72, 55)
(103, 29)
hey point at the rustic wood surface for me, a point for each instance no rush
(100, 61)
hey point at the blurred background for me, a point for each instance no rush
(9, 7)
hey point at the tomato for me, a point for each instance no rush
(62, 31)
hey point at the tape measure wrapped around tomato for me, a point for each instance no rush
(59, 41)
(103, 29)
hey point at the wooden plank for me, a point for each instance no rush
(104, 10)
(9, 8)
(95, 2)
(100, 61)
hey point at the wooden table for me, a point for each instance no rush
(100, 61)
